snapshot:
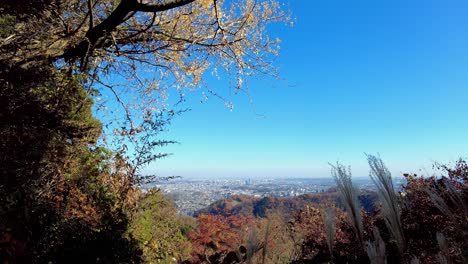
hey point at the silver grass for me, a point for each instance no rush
(329, 222)
(456, 196)
(251, 246)
(439, 202)
(342, 176)
(391, 209)
(441, 259)
(376, 248)
(265, 241)
(444, 255)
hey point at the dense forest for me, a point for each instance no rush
(70, 183)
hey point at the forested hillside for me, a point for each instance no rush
(243, 205)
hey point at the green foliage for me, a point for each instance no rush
(159, 230)
(7, 25)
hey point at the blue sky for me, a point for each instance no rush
(386, 77)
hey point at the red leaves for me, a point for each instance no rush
(217, 234)
(422, 219)
(310, 224)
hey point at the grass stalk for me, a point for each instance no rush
(376, 248)
(329, 222)
(391, 209)
(342, 176)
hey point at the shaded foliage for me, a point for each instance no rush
(61, 197)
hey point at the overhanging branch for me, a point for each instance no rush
(161, 6)
(96, 36)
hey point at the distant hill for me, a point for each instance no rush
(259, 206)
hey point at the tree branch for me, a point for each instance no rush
(90, 10)
(161, 6)
(96, 36)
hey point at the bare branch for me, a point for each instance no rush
(90, 10)
(121, 102)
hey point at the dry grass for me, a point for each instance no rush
(253, 245)
(342, 176)
(329, 222)
(376, 249)
(455, 197)
(391, 209)
(444, 255)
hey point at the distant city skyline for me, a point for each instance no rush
(362, 76)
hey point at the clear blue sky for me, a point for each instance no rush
(388, 77)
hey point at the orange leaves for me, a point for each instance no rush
(217, 234)
(82, 207)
